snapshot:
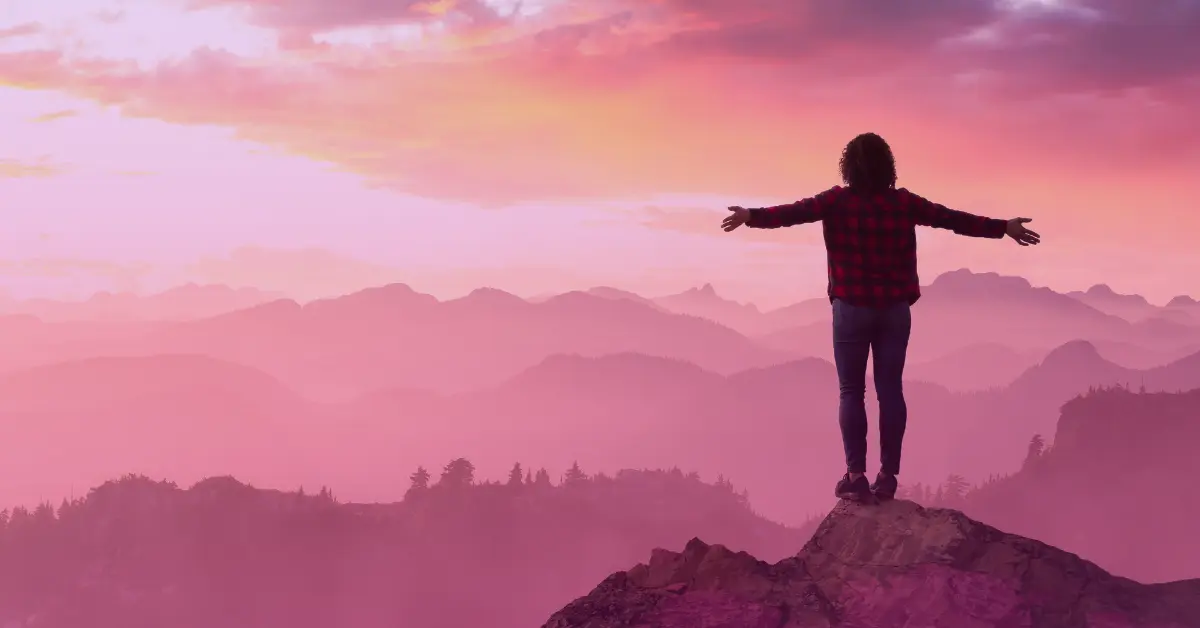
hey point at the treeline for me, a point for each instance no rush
(456, 476)
(459, 474)
(955, 491)
(140, 552)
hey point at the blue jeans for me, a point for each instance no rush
(858, 331)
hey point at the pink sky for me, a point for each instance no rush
(318, 147)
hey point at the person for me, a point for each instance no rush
(870, 240)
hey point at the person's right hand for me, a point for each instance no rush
(736, 219)
(1017, 231)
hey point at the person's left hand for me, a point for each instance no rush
(736, 219)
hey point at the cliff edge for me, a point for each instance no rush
(893, 565)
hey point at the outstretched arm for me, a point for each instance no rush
(931, 214)
(811, 209)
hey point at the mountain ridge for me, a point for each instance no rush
(395, 335)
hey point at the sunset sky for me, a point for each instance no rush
(320, 146)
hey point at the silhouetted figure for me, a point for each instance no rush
(871, 241)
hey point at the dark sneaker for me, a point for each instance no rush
(885, 486)
(858, 490)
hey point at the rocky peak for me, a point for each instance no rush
(963, 282)
(890, 565)
(1104, 292)
(1071, 354)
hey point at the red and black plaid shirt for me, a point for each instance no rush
(871, 238)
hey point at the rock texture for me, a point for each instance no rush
(893, 565)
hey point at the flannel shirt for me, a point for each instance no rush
(871, 239)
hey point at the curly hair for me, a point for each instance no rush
(867, 164)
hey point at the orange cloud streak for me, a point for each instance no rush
(51, 116)
(16, 169)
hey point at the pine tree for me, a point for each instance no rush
(419, 480)
(19, 517)
(955, 489)
(458, 473)
(574, 476)
(44, 513)
(515, 475)
(418, 484)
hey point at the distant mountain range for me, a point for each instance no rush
(393, 336)
(190, 301)
(394, 376)
(772, 429)
(971, 332)
(705, 302)
(1135, 308)
(960, 309)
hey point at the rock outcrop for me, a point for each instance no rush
(893, 565)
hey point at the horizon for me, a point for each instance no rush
(302, 299)
(610, 140)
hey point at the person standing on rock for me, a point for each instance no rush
(871, 243)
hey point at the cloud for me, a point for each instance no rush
(319, 16)
(591, 98)
(51, 116)
(302, 273)
(17, 169)
(1103, 44)
(75, 272)
(20, 30)
(109, 16)
(885, 33)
